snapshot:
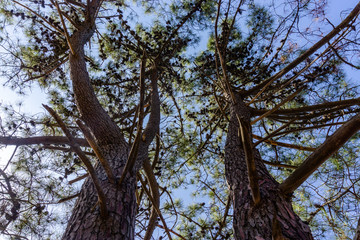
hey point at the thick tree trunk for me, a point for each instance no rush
(273, 217)
(86, 221)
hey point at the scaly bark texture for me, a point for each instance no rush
(86, 222)
(273, 217)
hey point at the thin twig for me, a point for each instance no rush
(279, 165)
(274, 132)
(306, 54)
(47, 72)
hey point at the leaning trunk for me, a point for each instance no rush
(273, 217)
(86, 221)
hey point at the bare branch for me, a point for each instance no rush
(342, 59)
(48, 71)
(172, 231)
(68, 198)
(222, 224)
(15, 202)
(305, 109)
(279, 165)
(73, 2)
(274, 132)
(64, 149)
(312, 214)
(357, 234)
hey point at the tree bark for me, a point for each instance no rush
(86, 222)
(273, 217)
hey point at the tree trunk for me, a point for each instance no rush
(86, 222)
(273, 217)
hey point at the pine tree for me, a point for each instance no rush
(262, 123)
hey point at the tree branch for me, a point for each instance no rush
(84, 159)
(288, 145)
(321, 154)
(279, 165)
(305, 55)
(357, 234)
(79, 178)
(274, 132)
(42, 18)
(66, 33)
(68, 198)
(154, 188)
(156, 207)
(342, 59)
(250, 160)
(46, 140)
(135, 146)
(153, 124)
(15, 202)
(222, 224)
(312, 214)
(289, 98)
(306, 109)
(91, 140)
